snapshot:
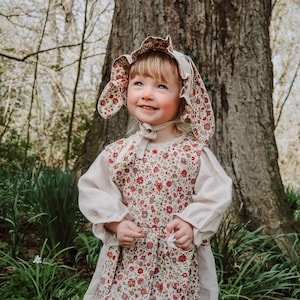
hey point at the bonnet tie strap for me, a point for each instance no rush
(146, 134)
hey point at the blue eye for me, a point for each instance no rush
(162, 87)
(138, 83)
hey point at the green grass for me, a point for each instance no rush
(293, 196)
(251, 266)
(44, 276)
(56, 195)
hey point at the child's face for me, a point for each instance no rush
(151, 101)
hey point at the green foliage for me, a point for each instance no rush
(42, 203)
(34, 205)
(294, 201)
(56, 194)
(88, 248)
(46, 199)
(49, 151)
(13, 192)
(44, 277)
(12, 154)
(251, 266)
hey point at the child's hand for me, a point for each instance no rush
(126, 232)
(184, 236)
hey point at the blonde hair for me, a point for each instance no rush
(155, 65)
(158, 65)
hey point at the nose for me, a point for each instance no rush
(147, 93)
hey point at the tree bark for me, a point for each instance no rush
(234, 58)
(229, 42)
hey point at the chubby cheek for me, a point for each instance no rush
(172, 109)
(131, 104)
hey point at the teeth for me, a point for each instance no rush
(148, 107)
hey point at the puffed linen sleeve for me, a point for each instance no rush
(212, 196)
(100, 201)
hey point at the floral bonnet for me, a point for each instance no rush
(198, 106)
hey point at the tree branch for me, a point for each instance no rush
(25, 57)
(273, 3)
(288, 94)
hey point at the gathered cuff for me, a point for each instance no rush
(108, 237)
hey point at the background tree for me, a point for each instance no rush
(50, 56)
(229, 42)
(285, 45)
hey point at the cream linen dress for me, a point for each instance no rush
(177, 178)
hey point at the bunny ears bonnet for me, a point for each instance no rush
(198, 106)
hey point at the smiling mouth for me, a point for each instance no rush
(146, 107)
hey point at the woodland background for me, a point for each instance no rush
(51, 58)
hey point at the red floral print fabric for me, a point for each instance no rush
(154, 188)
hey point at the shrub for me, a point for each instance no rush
(294, 201)
(56, 194)
(13, 208)
(251, 266)
(88, 248)
(44, 277)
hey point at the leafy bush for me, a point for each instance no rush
(46, 199)
(12, 149)
(56, 194)
(294, 201)
(13, 192)
(88, 248)
(40, 279)
(251, 266)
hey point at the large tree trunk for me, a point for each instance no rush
(229, 42)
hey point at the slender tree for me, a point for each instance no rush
(229, 42)
(74, 98)
(33, 92)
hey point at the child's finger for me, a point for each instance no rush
(172, 226)
(139, 234)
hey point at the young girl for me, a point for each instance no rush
(156, 197)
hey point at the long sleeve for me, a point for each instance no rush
(100, 201)
(212, 196)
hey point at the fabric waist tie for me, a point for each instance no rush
(160, 232)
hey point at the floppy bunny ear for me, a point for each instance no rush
(114, 95)
(201, 112)
(198, 106)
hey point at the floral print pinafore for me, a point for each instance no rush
(154, 189)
